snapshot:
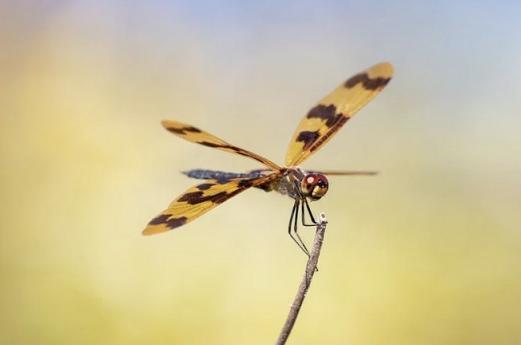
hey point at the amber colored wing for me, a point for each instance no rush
(200, 199)
(334, 110)
(199, 136)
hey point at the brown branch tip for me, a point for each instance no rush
(311, 268)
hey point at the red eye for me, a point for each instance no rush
(322, 183)
(314, 186)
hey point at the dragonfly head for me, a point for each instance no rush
(314, 185)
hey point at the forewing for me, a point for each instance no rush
(199, 136)
(200, 199)
(334, 110)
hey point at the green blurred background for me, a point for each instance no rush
(428, 252)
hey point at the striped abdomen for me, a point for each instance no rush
(203, 174)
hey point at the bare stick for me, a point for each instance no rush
(311, 268)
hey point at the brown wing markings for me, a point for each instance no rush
(199, 199)
(196, 135)
(204, 186)
(313, 140)
(334, 110)
(232, 148)
(183, 130)
(332, 130)
(171, 223)
(366, 81)
(308, 138)
(324, 112)
(333, 121)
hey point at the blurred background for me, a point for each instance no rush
(428, 252)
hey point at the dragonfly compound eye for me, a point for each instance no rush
(314, 186)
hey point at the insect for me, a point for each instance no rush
(315, 129)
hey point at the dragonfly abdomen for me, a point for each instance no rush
(204, 174)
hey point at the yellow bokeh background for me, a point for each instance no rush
(428, 252)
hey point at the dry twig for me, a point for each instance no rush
(311, 268)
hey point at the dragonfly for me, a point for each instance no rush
(319, 125)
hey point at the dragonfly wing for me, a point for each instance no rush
(196, 135)
(334, 110)
(200, 199)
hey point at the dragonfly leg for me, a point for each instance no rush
(313, 223)
(293, 225)
(304, 219)
(295, 230)
(310, 213)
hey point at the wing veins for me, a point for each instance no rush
(201, 198)
(198, 136)
(333, 111)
